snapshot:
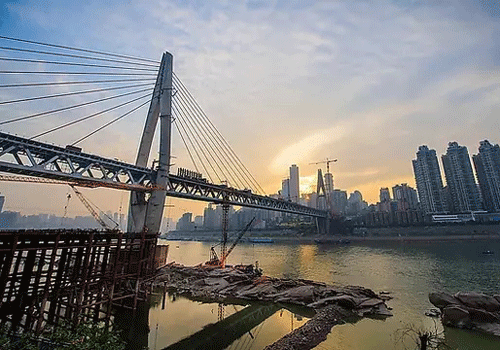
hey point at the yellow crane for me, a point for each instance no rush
(92, 211)
(327, 161)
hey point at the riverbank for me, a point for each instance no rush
(432, 233)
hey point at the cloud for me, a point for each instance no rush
(304, 150)
(296, 82)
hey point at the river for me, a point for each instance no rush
(409, 271)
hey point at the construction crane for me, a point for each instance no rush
(327, 161)
(214, 258)
(92, 211)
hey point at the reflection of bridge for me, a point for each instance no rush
(220, 335)
(148, 186)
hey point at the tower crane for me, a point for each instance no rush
(327, 161)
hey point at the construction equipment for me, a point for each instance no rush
(68, 197)
(327, 161)
(214, 258)
(92, 211)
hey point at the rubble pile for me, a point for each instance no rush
(230, 284)
(330, 304)
(469, 310)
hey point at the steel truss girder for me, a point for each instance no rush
(198, 190)
(33, 158)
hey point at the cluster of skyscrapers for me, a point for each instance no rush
(462, 194)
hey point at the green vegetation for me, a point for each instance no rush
(86, 335)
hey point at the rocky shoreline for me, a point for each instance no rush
(469, 310)
(330, 304)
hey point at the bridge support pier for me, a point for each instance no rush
(146, 214)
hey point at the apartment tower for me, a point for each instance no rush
(487, 164)
(429, 182)
(462, 187)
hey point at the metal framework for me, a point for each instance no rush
(36, 159)
(33, 158)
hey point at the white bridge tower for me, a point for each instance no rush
(145, 214)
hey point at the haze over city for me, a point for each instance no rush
(287, 83)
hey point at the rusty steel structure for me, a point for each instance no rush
(47, 275)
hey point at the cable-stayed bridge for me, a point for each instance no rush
(123, 84)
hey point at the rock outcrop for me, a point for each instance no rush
(469, 310)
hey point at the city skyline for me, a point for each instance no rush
(306, 80)
(307, 188)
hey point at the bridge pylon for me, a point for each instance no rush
(145, 214)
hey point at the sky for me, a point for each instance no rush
(289, 82)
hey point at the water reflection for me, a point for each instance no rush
(179, 323)
(408, 270)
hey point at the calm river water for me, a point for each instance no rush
(408, 271)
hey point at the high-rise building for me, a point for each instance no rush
(339, 201)
(405, 197)
(209, 217)
(185, 223)
(385, 200)
(487, 164)
(285, 189)
(355, 203)
(385, 195)
(2, 201)
(328, 183)
(294, 183)
(198, 221)
(463, 191)
(429, 182)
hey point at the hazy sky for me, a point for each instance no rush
(291, 82)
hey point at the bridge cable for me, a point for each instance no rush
(68, 108)
(197, 133)
(211, 138)
(78, 56)
(79, 49)
(186, 145)
(89, 116)
(72, 73)
(203, 133)
(76, 64)
(73, 93)
(73, 82)
(241, 165)
(221, 138)
(178, 121)
(111, 122)
(182, 118)
(214, 141)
